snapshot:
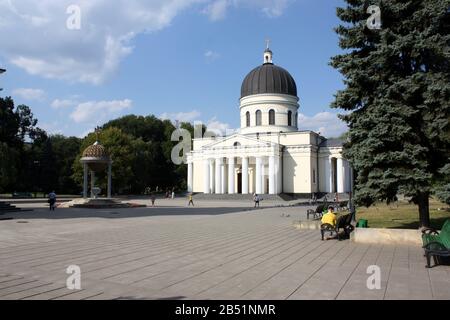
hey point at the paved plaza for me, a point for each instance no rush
(217, 250)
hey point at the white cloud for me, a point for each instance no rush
(99, 111)
(29, 93)
(217, 10)
(86, 133)
(53, 127)
(219, 128)
(327, 123)
(211, 56)
(89, 55)
(35, 37)
(181, 116)
(61, 104)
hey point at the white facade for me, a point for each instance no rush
(268, 155)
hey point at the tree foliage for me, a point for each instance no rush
(397, 92)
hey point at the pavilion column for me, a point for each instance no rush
(244, 175)
(231, 175)
(85, 180)
(109, 180)
(206, 178)
(92, 183)
(272, 176)
(258, 175)
(340, 175)
(190, 177)
(211, 176)
(218, 175)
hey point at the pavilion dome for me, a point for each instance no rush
(95, 151)
(96, 157)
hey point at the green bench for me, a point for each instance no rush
(435, 243)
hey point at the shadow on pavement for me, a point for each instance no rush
(73, 213)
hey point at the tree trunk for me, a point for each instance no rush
(424, 209)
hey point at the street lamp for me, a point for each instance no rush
(2, 71)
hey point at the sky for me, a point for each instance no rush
(78, 64)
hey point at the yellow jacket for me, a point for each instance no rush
(329, 218)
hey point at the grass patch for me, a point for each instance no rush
(401, 215)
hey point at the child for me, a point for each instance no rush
(191, 200)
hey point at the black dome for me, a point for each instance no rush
(268, 78)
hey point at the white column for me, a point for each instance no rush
(85, 180)
(328, 175)
(190, 177)
(206, 177)
(223, 179)
(109, 179)
(258, 175)
(245, 175)
(278, 174)
(218, 173)
(340, 175)
(272, 175)
(346, 176)
(211, 176)
(231, 173)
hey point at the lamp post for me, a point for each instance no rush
(2, 71)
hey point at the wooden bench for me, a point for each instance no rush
(435, 243)
(342, 222)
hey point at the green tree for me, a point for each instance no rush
(8, 170)
(65, 150)
(18, 133)
(397, 90)
(153, 166)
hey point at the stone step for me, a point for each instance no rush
(244, 197)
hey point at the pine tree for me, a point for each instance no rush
(396, 97)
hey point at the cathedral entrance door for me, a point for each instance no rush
(239, 183)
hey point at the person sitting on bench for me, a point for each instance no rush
(329, 217)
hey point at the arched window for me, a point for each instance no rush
(258, 118)
(247, 119)
(236, 144)
(272, 117)
(289, 118)
(296, 120)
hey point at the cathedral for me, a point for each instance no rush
(268, 154)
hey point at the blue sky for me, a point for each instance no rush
(176, 59)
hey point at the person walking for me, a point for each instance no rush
(191, 200)
(173, 194)
(256, 200)
(52, 200)
(153, 198)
